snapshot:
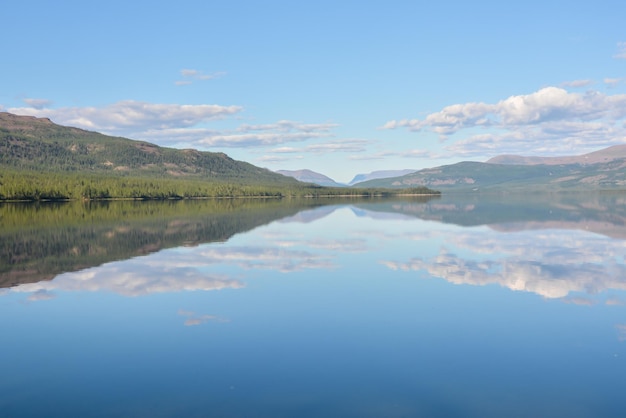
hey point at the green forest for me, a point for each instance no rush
(40, 161)
(40, 186)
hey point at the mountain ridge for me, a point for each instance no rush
(310, 176)
(32, 143)
(604, 155)
(40, 160)
(600, 170)
(380, 174)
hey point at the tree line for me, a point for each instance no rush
(38, 186)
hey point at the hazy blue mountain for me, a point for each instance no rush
(379, 175)
(308, 176)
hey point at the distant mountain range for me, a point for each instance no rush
(308, 176)
(600, 170)
(603, 169)
(382, 174)
(617, 152)
(29, 144)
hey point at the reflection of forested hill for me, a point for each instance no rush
(40, 241)
(602, 213)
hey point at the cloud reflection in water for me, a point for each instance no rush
(135, 277)
(550, 263)
(178, 270)
(553, 263)
(278, 259)
(194, 319)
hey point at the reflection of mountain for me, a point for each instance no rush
(38, 242)
(312, 215)
(602, 213)
(381, 174)
(176, 270)
(375, 208)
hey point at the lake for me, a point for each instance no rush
(456, 306)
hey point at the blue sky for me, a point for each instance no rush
(336, 87)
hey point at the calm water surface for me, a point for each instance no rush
(451, 307)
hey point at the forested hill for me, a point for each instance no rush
(40, 160)
(37, 144)
(475, 176)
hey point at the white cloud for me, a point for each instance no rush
(286, 150)
(367, 157)
(176, 135)
(542, 105)
(132, 116)
(289, 126)
(581, 301)
(343, 145)
(621, 51)
(612, 82)
(529, 122)
(190, 75)
(38, 103)
(281, 132)
(245, 135)
(416, 153)
(412, 153)
(449, 120)
(577, 83)
(175, 124)
(258, 139)
(279, 159)
(547, 104)
(551, 138)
